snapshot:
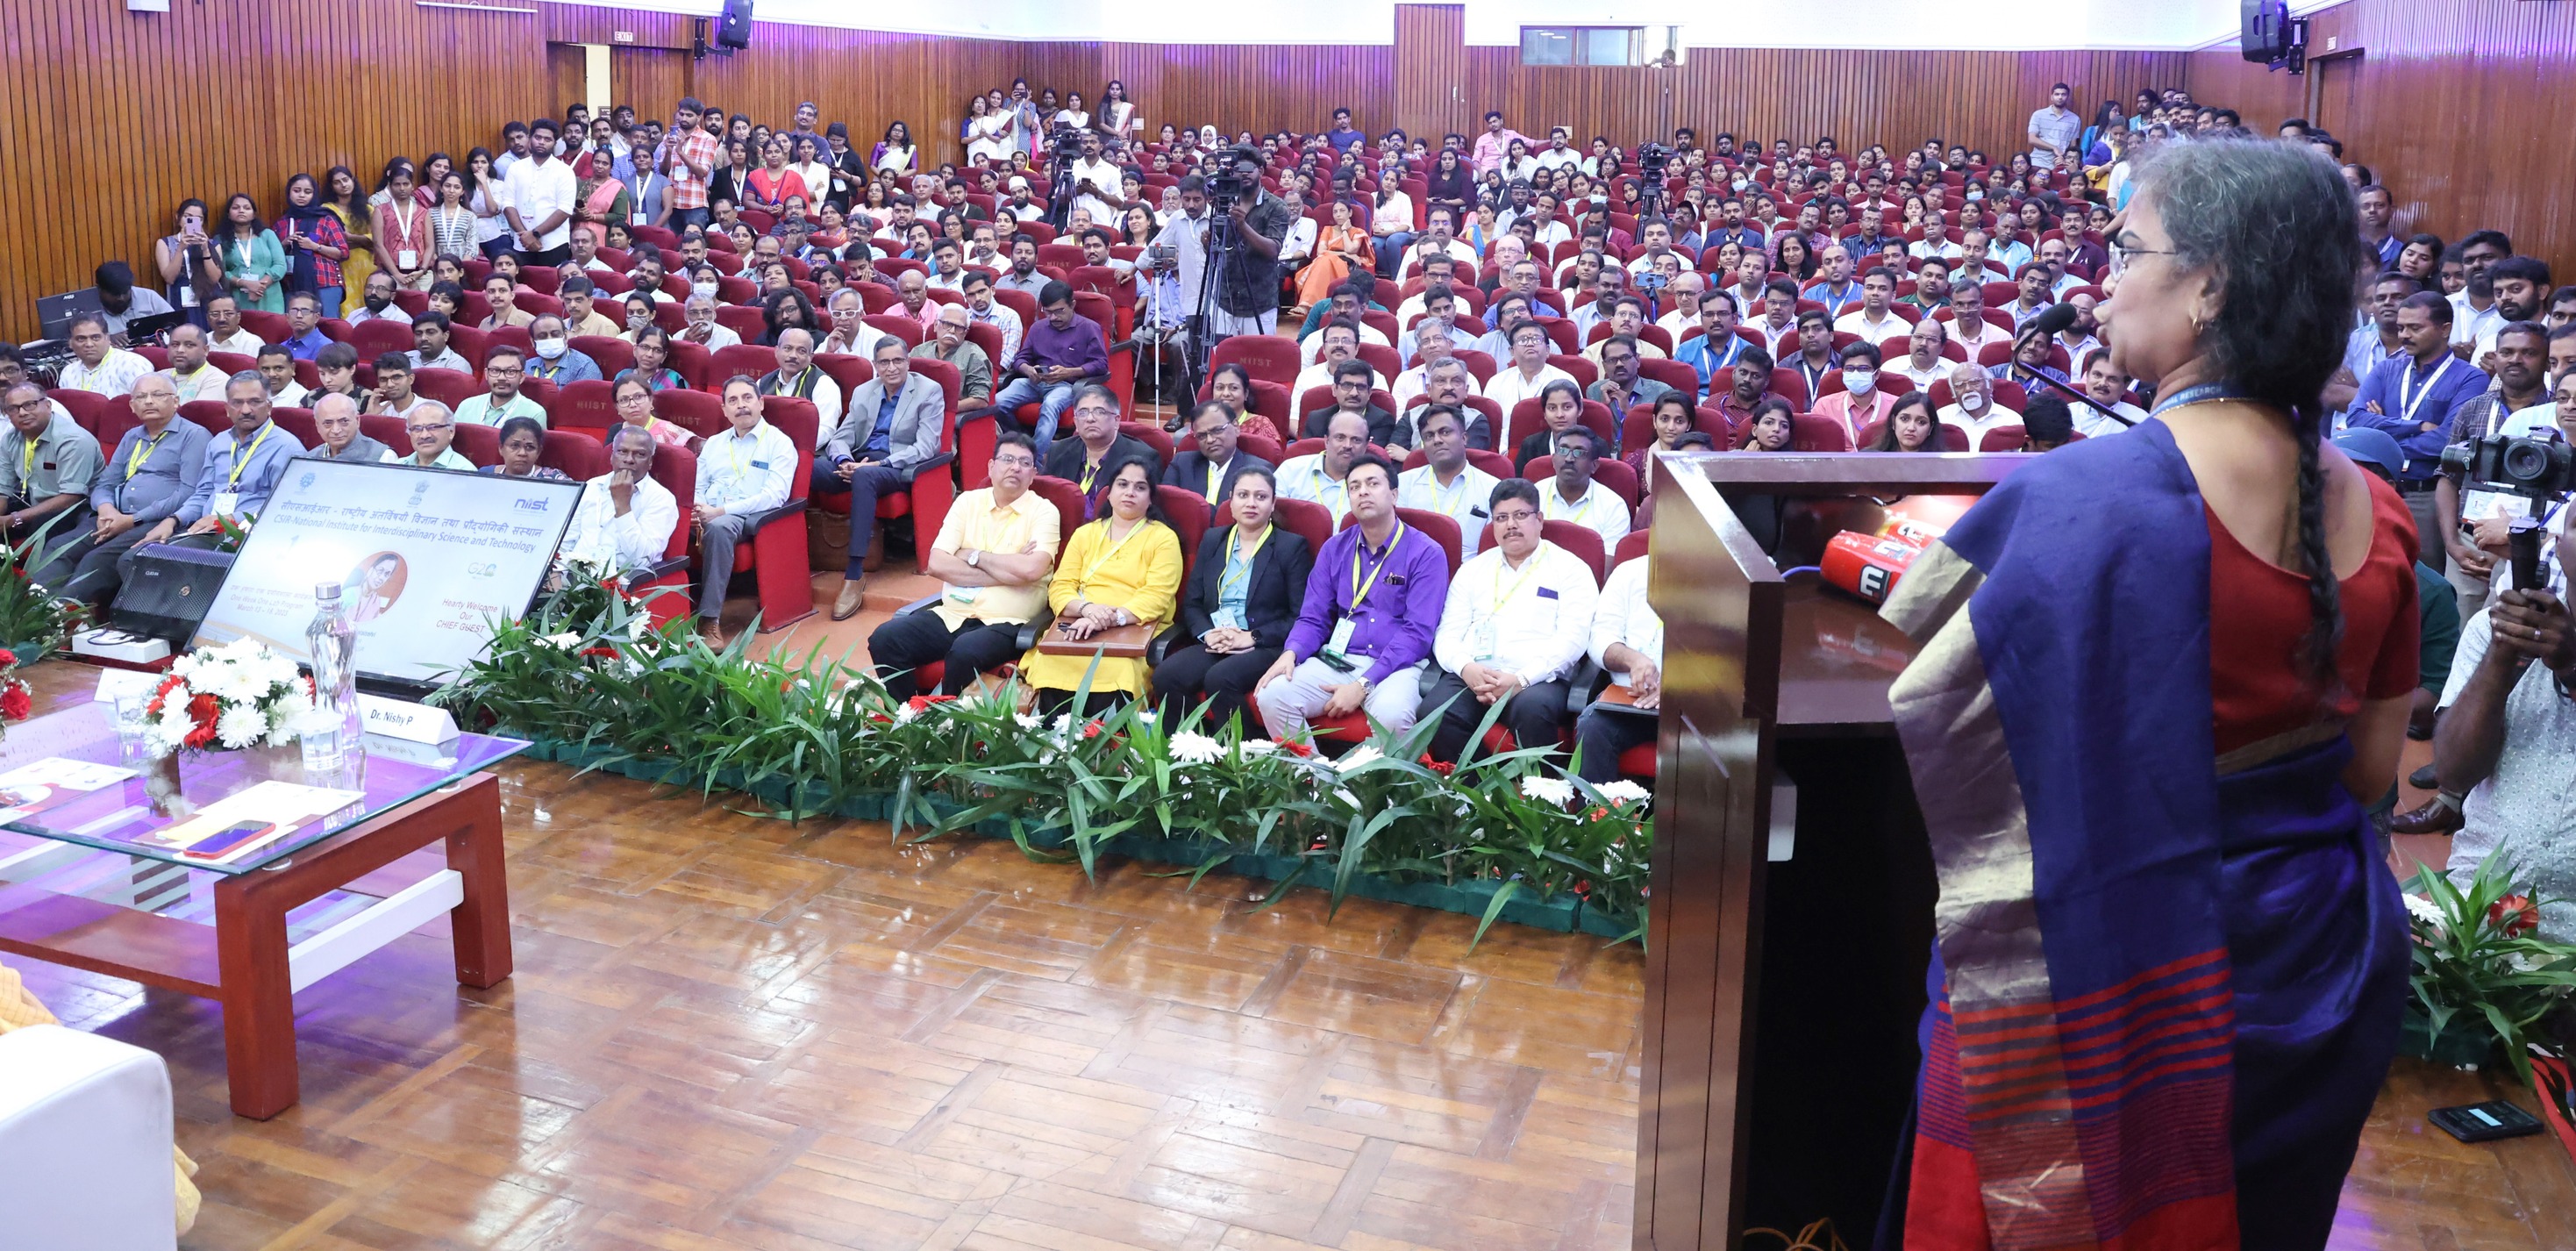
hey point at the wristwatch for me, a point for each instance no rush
(974, 558)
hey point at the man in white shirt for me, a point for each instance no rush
(1516, 621)
(1344, 307)
(1446, 483)
(378, 302)
(1437, 240)
(625, 519)
(1628, 643)
(1433, 347)
(189, 374)
(1873, 321)
(1439, 274)
(1529, 371)
(798, 376)
(224, 331)
(981, 306)
(1923, 363)
(1559, 151)
(2107, 387)
(98, 366)
(1324, 477)
(743, 474)
(1935, 241)
(277, 369)
(1095, 181)
(2053, 131)
(1972, 407)
(542, 192)
(1339, 342)
(1571, 494)
(703, 328)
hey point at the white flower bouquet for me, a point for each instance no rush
(234, 696)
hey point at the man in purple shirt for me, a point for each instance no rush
(1372, 608)
(1057, 356)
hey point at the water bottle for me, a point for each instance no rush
(332, 731)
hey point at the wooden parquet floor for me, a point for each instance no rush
(730, 1033)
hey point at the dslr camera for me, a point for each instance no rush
(2538, 469)
(1652, 160)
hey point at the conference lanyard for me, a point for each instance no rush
(1088, 473)
(1226, 579)
(1386, 556)
(733, 451)
(1103, 558)
(142, 452)
(1529, 569)
(2406, 405)
(1576, 512)
(1216, 473)
(242, 455)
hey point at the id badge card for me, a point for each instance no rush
(962, 594)
(188, 297)
(1338, 647)
(1481, 640)
(227, 503)
(407, 259)
(1228, 619)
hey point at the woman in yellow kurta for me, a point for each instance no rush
(1123, 569)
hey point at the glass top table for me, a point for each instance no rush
(96, 870)
(159, 800)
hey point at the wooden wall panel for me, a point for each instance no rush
(1260, 89)
(109, 118)
(1431, 70)
(651, 79)
(1982, 99)
(2439, 110)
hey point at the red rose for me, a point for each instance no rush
(1583, 890)
(16, 703)
(1596, 814)
(918, 703)
(1297, 749)
(2516, 915)
(7, 657)
(1091, 729)
(940, 699)
(602, 653)
(1441, 767)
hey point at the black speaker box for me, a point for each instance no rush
(733, 28)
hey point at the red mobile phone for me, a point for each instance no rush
(215, 847)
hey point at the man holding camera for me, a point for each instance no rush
(1095, 181)
(2472, 524)
(2507, 738)
(1247, 293)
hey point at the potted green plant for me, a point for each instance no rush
(33, 619)
(2483, 979)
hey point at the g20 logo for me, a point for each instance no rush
(482, 569)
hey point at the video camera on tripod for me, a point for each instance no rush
(1652, 160)
(2541, 470)
(1229, 184)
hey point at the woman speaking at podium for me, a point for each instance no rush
(2161, 672)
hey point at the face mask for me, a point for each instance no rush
(1860, 381)
(550, 348)
(707, 289)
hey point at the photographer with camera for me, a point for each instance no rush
(1247, 290)
(2507, 738)
(2471, 523)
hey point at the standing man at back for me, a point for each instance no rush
(2053, 129)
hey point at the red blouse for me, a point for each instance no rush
(2258, 622)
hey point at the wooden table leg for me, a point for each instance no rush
(258, 1000)
(481, 924)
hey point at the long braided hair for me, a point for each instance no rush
(2280, 227)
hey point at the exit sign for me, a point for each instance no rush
(622, 36)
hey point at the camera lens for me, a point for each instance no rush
(2526, 461)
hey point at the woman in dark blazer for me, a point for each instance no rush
(1243, 594)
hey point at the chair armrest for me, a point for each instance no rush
(792, 508)
(1163, 643)
(1029, 632)
(936, 462)
(1582, 686)
(919, 605)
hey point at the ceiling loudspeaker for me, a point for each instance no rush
(2269, 36)
(733, 26)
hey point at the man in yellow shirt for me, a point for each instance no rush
(995, 553)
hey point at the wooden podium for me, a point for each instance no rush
(1791, 917)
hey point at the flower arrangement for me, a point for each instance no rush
(234, 696)
(2480, 966)
(17, 699)
(32, 616)
(624, 693)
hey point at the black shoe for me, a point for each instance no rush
(2423, 779)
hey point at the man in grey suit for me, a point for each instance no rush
(1211, 466)
(888, 432)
